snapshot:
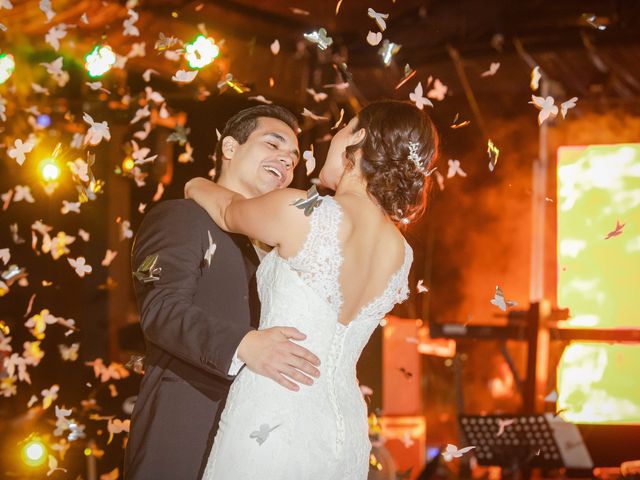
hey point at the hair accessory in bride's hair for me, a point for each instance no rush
(413, 154)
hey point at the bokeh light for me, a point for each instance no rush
(49, 170)
(34, 453)
(128, 164)
(100, 60)
(7, 65)
(201, 52)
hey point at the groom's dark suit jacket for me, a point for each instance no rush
(193, 319)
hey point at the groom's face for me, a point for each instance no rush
(265, 162)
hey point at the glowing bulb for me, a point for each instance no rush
(7, 65)
(128, 164)
(49, 170)
(34, 453)
(201, 52)
(43, 120)
(100, 60)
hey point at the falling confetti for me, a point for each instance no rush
(421, 288)
(320, 38)
(387, 51)
(616, 231)
(503, 423)
(592, 20)
(80, 266)
(499, 301)
(417, 97)
(493, 68)
(309, 204)
(493, 153)
(380, 18)
(20, 149)
(452, 452)
(374, 38)
(535, 78)
(275, 47)
(184, 76)
(309, 160)
(97, 132)
(455, 169)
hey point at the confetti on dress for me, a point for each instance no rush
(262, 434)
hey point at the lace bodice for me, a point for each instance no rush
(320, 259)
(323, 428)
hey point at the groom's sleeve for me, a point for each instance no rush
(168, 316)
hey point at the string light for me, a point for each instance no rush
(49, 170)
(128, 164)
(201, 52)
(7, 65)
(34, 453)
(99, 61)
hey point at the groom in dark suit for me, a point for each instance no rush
(195, 289)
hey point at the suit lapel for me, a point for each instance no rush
(251, 262)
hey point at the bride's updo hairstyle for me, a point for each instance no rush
(398, 150)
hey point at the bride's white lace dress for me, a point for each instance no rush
(320, 432)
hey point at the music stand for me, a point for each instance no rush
(525, 442)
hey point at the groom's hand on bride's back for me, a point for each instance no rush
(271, 353)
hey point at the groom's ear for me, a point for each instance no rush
(229, 146)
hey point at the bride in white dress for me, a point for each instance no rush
(339, 265)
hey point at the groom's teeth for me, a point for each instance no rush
(274, 171)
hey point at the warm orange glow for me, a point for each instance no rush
(598, 279)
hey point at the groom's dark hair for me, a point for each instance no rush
(243, 123)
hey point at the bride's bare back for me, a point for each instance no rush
(372, 249)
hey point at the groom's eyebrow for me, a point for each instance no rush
(283, 140)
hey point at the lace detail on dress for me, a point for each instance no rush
(318, 262)
(328, 420)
